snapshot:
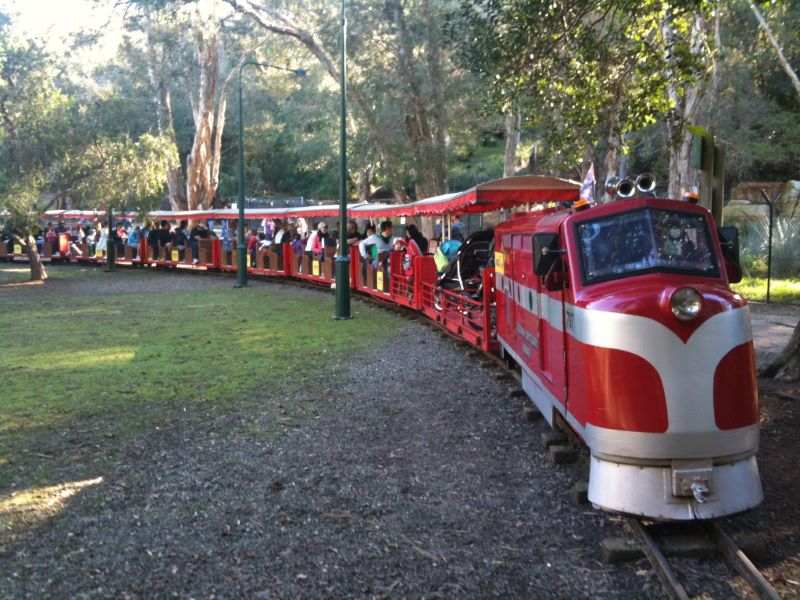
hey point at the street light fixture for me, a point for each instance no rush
(241, 247)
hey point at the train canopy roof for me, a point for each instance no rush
(484, 197)
(501, 193)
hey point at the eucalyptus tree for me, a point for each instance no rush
(774, 42)
(402, 81)
(195, 49)
(592, 70)
(56, 143)
(753, 107)
(35, 116)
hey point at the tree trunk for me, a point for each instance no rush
(428, 227)
(790, 72)
(199, 163)
(429, 157)
(682, 177)
(365, 176)
(437, 104)
(166, 127)
(686, 99)
(787, 365)
(608, 159)
(512, 137)
(38, 272)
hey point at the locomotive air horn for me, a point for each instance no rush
(646, 183)
(611, 186)
(626, 188)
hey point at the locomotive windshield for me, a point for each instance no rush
(645, 240)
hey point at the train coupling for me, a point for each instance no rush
(700, 491)
(692, 478)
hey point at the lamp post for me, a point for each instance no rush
(343, 259)
(111, 246)
(241, 247)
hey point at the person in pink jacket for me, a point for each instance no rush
(317, 241)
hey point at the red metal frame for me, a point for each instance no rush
(285, 267)
(464, 317)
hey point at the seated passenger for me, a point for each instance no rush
(198, 232)
(297, 245)
(413, 234)
(101, 238)
(133, 240)
(252, 245)
(166, 237)
(120, 238)
(382, 243)
(283, 235)
(76, 237)
(315, 246)
(410, 251)
(353, 237)
(331, 240)
(152, 238)
(181, 239)
(228, 234)
(51, 237)
(371, 250)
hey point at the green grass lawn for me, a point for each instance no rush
(114, 364)
(786, 291)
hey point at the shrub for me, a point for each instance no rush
(754, 245)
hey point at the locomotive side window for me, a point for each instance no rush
(645, 240)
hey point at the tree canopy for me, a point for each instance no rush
(434, 86)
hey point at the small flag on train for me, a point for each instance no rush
(587, 187)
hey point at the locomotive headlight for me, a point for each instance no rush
(686, 303)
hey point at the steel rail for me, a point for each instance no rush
(742, 564)
(672, 586)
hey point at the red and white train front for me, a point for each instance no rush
(623, 323)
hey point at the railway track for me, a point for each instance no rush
(726, 548)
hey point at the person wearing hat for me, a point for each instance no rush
(315, 246)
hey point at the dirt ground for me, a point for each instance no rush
(418, 478)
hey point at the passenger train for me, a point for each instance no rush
(620, 318)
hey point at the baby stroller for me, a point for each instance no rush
(464, 273)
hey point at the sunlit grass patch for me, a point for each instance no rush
(785, 291)
(27, 508)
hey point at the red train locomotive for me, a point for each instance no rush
(623, 324)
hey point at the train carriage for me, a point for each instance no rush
(624, 325)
